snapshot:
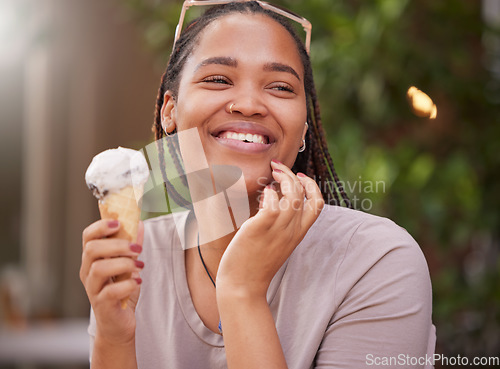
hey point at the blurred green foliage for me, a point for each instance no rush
(440, 177)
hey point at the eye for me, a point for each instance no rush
(282, 88)
(216, 79)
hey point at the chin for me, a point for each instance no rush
(256, 173)
(256, 178)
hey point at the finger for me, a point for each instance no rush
(290, 188)
(99, 278)
(261, 199)
(114, 293)
(106, 248)
(135, 275)
(289, 185)
(103, 270)
(291, 203)
(314, 200)
(270, 207)
(100, 229)
(140, 233)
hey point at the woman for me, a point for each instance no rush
(300, 284)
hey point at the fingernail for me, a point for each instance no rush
(136, 248)
(276, 161)
(269, 187)
(301, 174)
(138, 280)
(277, 170)
(113, 223)
(139, 264)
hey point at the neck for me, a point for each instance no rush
(215, 225)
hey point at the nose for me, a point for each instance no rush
(248, 102)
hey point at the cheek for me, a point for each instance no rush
(187, 115)
(298, 110)
(188, 107)
(296, 120)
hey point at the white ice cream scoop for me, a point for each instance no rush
(114, 169)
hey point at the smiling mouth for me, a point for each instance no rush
(244, 137)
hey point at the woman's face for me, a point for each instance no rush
(250, 61)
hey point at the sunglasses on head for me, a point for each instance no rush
(274, 8)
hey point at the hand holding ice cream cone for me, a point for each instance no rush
(117, 177)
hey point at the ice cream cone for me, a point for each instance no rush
(122, 206)
(115, 177)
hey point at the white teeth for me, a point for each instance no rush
(255, 138)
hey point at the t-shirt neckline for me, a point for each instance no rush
(186, 303)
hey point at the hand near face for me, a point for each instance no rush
(265, 241)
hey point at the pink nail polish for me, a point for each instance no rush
(136, 248)
(277, 170)
(113, 223)
(301, 174)
(138, 280)
(139, 264)
(276, 161)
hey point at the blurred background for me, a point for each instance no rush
(78, 77)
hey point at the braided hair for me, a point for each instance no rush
(315, 161)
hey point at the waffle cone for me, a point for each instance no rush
(122, 206)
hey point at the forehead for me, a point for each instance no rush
(248, 36)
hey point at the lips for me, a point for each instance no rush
(245, 132)
(244, 137)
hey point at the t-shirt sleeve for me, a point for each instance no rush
(385, 303)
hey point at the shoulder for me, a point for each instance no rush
(373, 238)
(357, 245)
(378, 281)
(339, 227)
(345, 218)
(357, 229)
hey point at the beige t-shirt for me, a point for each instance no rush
(355, 293)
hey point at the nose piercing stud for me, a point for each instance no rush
(231, 108)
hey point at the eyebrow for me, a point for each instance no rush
(231, 62)
(222, 60)
(278, 67)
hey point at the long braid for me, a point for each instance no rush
(157, 128)
(318, 163)
(322, 139)
(159, 135)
